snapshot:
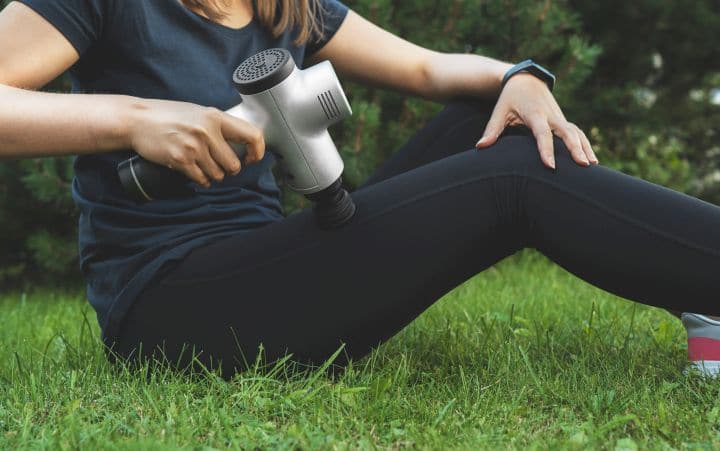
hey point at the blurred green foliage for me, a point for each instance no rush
(640, 77)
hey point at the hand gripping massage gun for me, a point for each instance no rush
(293, 108)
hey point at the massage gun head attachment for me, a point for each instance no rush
(263, 70)
(333, 206)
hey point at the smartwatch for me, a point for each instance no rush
(533, 68)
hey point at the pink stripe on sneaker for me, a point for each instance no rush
(702, 348)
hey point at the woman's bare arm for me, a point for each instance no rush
(367, 53)
(43, 124)
(362, 51)
(37, 124)
(189, 138)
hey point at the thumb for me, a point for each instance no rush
(493, 130)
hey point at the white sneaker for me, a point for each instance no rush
(703, 343)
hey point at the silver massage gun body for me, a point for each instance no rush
(293, 108)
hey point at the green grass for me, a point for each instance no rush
(524, 355)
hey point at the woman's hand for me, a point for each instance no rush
(526, 100)
(192, 139)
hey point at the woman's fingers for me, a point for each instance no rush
(183, 158)
(587, 147)
(526, 100)
(224, 155)
(544, 137)
(209, 166)
(215, 157)
(493, 129)
(543, 130)
(239, 131)
(569, 134)
(194, 140)
(190, 168)
(197, 175)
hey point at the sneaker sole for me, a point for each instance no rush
(707, 368)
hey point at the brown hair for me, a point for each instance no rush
(275, 15)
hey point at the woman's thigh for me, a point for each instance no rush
(296, 288)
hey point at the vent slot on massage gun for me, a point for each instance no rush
(328, 104)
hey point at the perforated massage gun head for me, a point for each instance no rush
(293, 108)
(263, 71)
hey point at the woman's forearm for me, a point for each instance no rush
(450, 75)
(189, 138)
(35, 124)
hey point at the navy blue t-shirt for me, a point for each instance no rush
(160, 49)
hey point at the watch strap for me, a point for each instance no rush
(531, 67)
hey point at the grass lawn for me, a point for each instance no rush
(522, 356)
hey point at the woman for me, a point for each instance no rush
(223, 274)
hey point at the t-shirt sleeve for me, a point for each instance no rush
(330, 15)
(80, 21)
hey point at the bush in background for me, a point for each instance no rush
(638, 76)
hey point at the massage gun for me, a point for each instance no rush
(293, 108)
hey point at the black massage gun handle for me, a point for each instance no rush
(144, 181)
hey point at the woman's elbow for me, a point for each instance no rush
(427, 81)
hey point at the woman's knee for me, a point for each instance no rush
(517, 150)
(513, 153)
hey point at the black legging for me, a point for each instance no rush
(433, 216)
